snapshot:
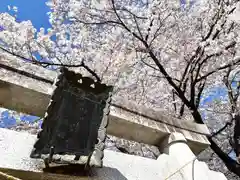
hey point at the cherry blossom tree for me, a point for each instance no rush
(156, 53)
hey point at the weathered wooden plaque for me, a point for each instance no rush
(75, 122)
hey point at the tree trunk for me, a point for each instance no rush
(236, 136)
(231, 164)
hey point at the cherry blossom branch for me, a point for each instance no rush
(233, 98)
(215, 111)
(163, 77)
(96, 23)
(221, 129)
(180, 93)
(46, 64)
(130, 12)
(219, 69)
(174, 100)
(200, 91)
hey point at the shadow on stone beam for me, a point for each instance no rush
(63, 172)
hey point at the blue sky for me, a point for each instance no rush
(34, 10)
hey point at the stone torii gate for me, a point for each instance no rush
(26, 88)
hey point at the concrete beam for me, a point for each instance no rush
(26, 88)
(15, 148)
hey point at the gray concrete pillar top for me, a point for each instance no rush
(175, 145)
(174, 137)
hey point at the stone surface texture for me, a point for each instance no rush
(177, 164)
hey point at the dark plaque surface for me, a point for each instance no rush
(76, 120)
